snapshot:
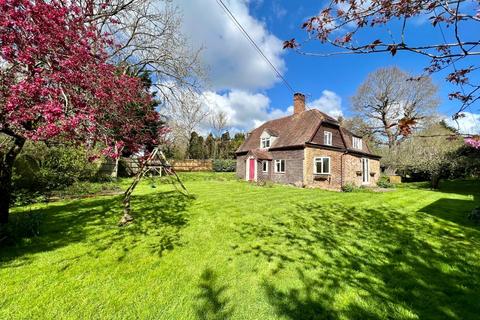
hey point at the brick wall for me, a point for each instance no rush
(353, 170)
(331, 181)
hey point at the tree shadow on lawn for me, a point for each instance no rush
(212, 303)
(359, 263)
(158, 220)
(455, 210)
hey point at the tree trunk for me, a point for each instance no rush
(6, 167)
(114, 173)
(435, 181)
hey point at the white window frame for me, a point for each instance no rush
(365, 170)
(317, 159)
(327, 138)
(265, 166)
(357, 143)
(264, 142)
(284, 166)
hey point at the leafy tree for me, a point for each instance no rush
(224, 145)
(235, 143)
(195, 146)
(466, 163)
(388, 98)
(427, 151)
(348, 27)
(55, 83)
(210, 147)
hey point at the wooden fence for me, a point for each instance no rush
(192, 165)
(129, 166)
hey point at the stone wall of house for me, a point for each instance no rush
(353, 170)
(330, 181)
(240, 169)
(264, 176)
(293, 166)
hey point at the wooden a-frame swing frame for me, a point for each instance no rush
(150, 166)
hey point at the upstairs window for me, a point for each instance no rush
(265, 143)
(327, 138)
(321, 165)
(357, 143)
(279, 166)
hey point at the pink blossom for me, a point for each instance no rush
(473, 142)
(77, 95)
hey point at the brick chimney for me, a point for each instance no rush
(298, 103)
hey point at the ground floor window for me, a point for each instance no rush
(321, 165)
(280, 166)
(264, 166)
(365, 170)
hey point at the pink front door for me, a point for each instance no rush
(251, 170)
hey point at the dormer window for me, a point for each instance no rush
(265, 142)
(327, 138)
(357, 143)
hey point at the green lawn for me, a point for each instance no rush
(239, 251)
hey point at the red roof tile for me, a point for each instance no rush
(292, 130)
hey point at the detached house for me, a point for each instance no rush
(308, 148)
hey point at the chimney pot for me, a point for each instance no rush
(298, 103)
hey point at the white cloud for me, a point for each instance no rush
(469, 124)
(329, 103)
(278, 10)
(246, 111)
(231, 60)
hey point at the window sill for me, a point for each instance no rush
(321, 176)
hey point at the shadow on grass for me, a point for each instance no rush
(359, 263)
(212, 302)
(159, 219)
(454, 210)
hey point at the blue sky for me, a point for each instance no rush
(243, 85)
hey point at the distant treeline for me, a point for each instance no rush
(222, 147)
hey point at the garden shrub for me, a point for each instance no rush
(265, 183)
(384, 182)
(85, 188)
(40, 169)
(475, 215)
(66, 165)
(224, 165)
(349, 187)
(20, 227)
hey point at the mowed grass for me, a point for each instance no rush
(240, 251)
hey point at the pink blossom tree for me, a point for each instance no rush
(55, 83)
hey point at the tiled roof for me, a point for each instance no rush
(260, 154)
(292, 130)
(295, 130)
